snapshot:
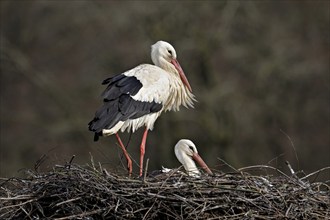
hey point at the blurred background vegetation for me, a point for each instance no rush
(259, 69)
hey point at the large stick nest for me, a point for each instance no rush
(86, 192)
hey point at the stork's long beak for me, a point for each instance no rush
(181, 73)
(201, 162)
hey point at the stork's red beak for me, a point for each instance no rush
(201, 162)
(182, 75)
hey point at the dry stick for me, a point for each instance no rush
(145, 215)
(81, 215)
(290, 168)
(316, 172)
(39, 162)
(145, 171)
(23, 203)
(42, 159)
(275, 158)
(263, 166)
(294, 149)
(100, 167)
(288, 210)
(228, 165)
(294, 173)
(73, 156)
(23, 197)
(92, 160)
(70, 162)
(27, 214)
(70, 200)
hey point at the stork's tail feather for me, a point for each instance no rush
(91, 127)
(97, 135)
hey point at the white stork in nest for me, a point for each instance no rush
(186, 152)
(137, 97)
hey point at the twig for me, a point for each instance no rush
(316, 172)
(145, 171)
(92, 160)
(263, 166)
(70, 162)
(290, 168)
(294, 149)
(228, 164)
(67, 201)
(20, 204)
(81, 215)
(39, 162)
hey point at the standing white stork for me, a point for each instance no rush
(186, 152)
(138, 96)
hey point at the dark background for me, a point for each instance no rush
(259, 69)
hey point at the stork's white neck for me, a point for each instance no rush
(166, 65)
(188, 164)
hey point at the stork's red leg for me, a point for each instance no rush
(142, 149)
(129, 161)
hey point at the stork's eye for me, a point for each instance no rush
(191, 148)
(169, 51)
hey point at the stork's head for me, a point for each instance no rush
(186, 152)
(163, 55)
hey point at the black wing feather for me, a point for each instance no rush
(119, 105)
(119, 85)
